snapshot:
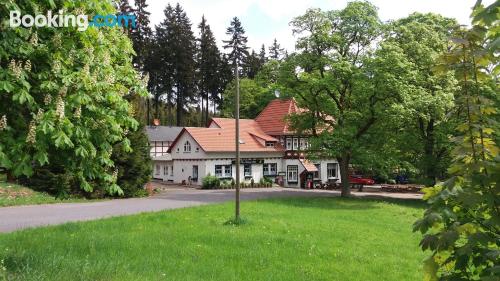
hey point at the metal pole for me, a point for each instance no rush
(237, 121)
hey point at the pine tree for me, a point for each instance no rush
(208, 61)
(161, 64)
(275, 51)
(252, 65)
(177, 47)
(141, 34)
(262, 55)
(225, 75)
(237, 44)
(124, 7)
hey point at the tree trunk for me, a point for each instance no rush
(430, 160)
(179, 107)
(206, 112)
(147, 112)
(10, 177)
(344, 173)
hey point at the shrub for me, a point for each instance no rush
(210, 182)
(135, 167)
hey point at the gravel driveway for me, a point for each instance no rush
(19, 217)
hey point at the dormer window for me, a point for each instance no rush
(269, 144)
(187, 146)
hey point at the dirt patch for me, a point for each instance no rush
(13, 194)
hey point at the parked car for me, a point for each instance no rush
(359, 181)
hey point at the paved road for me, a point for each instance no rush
(15, 218)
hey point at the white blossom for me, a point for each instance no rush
(47, 99)
(60, 107)
(34, 39)
(3, 123)
(31, 138)
(27, 66)
(78, 112)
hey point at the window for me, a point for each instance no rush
(331, 169)
(295, 143)
(218, 171)
(270, 169)
(187, 146)
(227, 171)
(302, 144)
(195, 173)
(157, 171)
(197, 149)
(223, 171)
(282, 141)
(247, 170)
(288, 144)
(159, 148)
(269, 144)
(292, 173)
(317, 174)
(165, 170)
(172, 170)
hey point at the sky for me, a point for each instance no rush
(264, 20)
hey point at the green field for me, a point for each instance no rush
(282, 239)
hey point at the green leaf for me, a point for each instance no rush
(61, 140)
(41, 157)
(430, 269)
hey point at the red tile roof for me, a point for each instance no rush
(272, 119)
(309, 166)
(223, 139)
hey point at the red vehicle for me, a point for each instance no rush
(359, 181)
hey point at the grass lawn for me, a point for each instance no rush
(283, 239)
(14, 194)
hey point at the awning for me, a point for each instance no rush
(309, 166)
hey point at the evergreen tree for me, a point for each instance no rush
(141, 34)
(252, 65)
(225, 75)
(124, 7)
(275, 51)
(262, 55)
(237, 44)
(161, 63)
(177, 47)
(135, 167)
(208, 61)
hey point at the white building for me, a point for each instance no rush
(160, 139)
(268, 149)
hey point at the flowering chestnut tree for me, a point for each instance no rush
(62, 94)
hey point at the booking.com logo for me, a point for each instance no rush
(66, 20)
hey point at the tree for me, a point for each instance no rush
(275, 51)
(134, 168)
(461, 226)
(177, 48)
(141, 34)
(423, 37)
(237, 43)
(61, 99)
(344, 88)
(225, 74)
(262, 55)
(252, 65)
(208, 62)
(253, 98)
